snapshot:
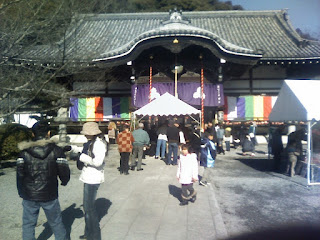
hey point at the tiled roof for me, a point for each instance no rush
(265, 34)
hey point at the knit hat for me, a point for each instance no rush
(90, 128)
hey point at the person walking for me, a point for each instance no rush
(40, 163)
(141, 139)
(207, 157)
(91, 161)
(173, 141)
(125, 141)
(187, 174)
(161, 142)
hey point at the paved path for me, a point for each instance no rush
(141, 205)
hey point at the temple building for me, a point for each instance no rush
(221, 57)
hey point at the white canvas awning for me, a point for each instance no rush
(298, 100)
(167, 105)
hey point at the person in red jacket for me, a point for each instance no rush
(40, 164)
(125, 140)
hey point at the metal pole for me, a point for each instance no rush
(150, 83)
(309, 152)
(176, 81)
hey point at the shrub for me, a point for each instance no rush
(10, 135)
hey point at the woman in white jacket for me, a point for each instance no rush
(187, 174)
(92, 175)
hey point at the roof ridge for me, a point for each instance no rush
(189, 13)
(285, 22)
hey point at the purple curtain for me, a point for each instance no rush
(140, 92)
(74, 109)
(187, 92)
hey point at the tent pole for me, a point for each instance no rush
(134, 120)
(201, 123)
(196, 119)
(309, 152)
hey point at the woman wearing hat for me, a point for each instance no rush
(92, 175)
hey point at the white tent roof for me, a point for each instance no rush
(298, 100)
(166, 105)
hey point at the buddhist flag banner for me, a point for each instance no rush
(248, 107)
(99, 109)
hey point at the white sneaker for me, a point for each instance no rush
(203, 183)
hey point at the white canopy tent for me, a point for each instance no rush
(167, 105)
(298, 100)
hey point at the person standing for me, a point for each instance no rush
(212, 130)
(173, 141)
(220, 136)
(141, 139)
(40, 163)
(162, 142)
(112, 132)
(187, 174)
(293, 154)
(195, 142)
(277, 147)
(92, 175)
(227, 135)
(207, 157)
(125, 140)
(248, 146)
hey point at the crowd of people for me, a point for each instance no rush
(41, 163)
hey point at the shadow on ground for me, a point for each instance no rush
(292, 232)
(71, 213)
(259, 164)
(175, 191)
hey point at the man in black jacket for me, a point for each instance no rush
(39, 165)
(173, 143)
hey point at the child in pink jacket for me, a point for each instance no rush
(187, 174)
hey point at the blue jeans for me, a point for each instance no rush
(92, 228)
(30, 217)
(161, 144)
(172, 148)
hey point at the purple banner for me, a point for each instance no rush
(241, 106)
(74, 109)
(187, 92)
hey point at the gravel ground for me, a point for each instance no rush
(252, 198)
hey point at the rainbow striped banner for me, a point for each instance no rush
(248, 107)
(99, 109)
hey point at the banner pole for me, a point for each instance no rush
(202, 101)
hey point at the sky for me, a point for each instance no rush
(303, 14)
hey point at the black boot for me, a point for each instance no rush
(183, 202)
(193, 199)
